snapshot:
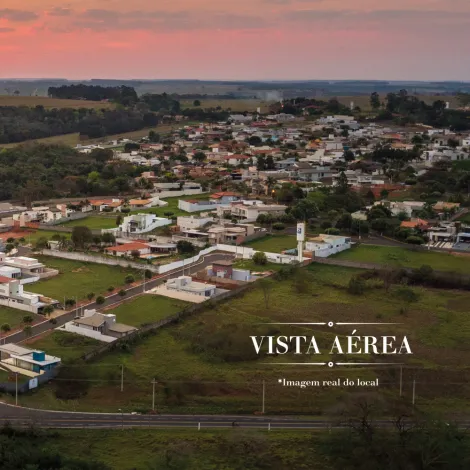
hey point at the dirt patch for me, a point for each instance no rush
(81, 270)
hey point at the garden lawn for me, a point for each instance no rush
(78, 278)
(68, 346)
(92, 222)
(33, 237)
(147, 309)
(172, 206)
(206, 363)
(407, 257)
(12, 316)
(274, 243)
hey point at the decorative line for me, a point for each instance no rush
(297, 363)
(345, 323)
(368, 364)
(280, 323)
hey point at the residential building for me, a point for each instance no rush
(325, 245)
(248, 212)
(100, 326)
(128, 249)
(25, 269)
(224, 269)
(192, 222)
(31, 362)
(198, 205)
(187, 285)
(12, 295)
(141, 223)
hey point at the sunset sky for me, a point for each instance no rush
(242, 39)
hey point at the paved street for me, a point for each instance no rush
(116, 298)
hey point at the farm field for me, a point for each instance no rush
(77, 279)
(93, 222)
(407, 257)
(146, 309)
(207, 364)
(273, 243)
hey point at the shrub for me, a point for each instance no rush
(414, 240)
(259, 258)
(122, 292)
(356, 286)
(279, 226)
(100, 300)
(332, 231)
(129, 279)
(90, 295)
(110, 288)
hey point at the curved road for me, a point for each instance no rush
(116, 298)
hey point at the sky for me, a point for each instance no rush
(239, 40)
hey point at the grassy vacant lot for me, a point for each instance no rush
(274, 243)
(77, 278)
(68, 346)
(14, 317)
(465, 219)
(234, 105)
(142, 449)
(147, 309)
(33, 237)
(207, 362)
(33, 101)
(172, 206)
(93, 222)
(407, 257)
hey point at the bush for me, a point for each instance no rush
(122, 292)
(111, 288)
(332, 231)
(90, 295)
(129, 279)
(356, 286)
(414, 240)
(125, 210)
(279, 226)
(259, 258)
(100, 300)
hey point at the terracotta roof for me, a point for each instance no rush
(413, 223)
(139, 202)
(5, 280)
(127, 247)
(222, 194)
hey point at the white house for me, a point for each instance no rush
(324, 245)
(192, 222)
(195, 205)
(12, 295)
(140, 223)
(30, 362)
(25, 269)
(100, 326)
(248, 212)
(187, 285)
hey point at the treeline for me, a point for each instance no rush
(34, 172)
(18, 124)
(120, 94)
(406, 109)
(314, 107)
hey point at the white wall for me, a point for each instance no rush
(85, 332)
(18, 306)
(185, 192)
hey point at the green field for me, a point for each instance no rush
(68, 346)
(407, 257)
(273, 243)
(14, 317)
(93, 222)
(235, 105)
(147, 309)
(172, 206)
(33, 237)
(206, 363)
(77, 279)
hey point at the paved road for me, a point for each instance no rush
(116, 298)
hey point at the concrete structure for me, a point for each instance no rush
(32, 361)
(12, 295)
(324, 245)
(30, 269)
(192, 222)
(224, 269)
(128, 249)
(187, 285)
(248, 212)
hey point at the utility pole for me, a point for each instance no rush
(414, 391)
(154, 382)
(16, 388)
(122, 419)
(401, 380)
(122, 377)
(264, 391)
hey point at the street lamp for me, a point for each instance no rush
(122, 418)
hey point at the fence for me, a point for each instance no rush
(187, 192)
(71, 216)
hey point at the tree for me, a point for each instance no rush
(28, 331)
(259, 258)
(47, 310)
(5, 328)
(196, 103)
(148, 274)
(129, 279)
(154, 137)
(185, 247)
(108, 238)
(119, 220)
(261, 163)
(28, 319)
(100, 300)
(342, 185)
(90, 296)
(111, 288)
(375, 100)
(122, 292)
(348, 155)
(255, 141)
(81, 236)
(344, 221)
(135, 254)
(304, 209)
(70, 302)
(199, 157)
(266, 286)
